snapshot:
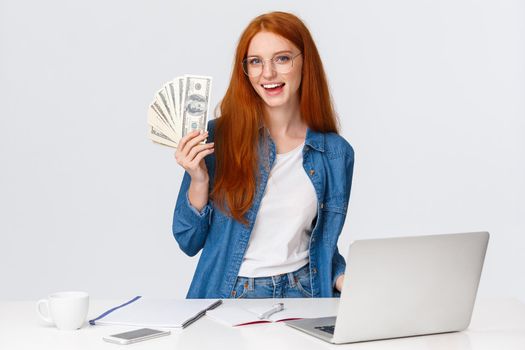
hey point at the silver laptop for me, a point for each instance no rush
(399, 287)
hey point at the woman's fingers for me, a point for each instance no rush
(185, 139)
(339, 282)
(187, 143)
(179, 154)
(195, 140)
(195, 162)
(197, 149)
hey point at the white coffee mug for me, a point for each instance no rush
(66, 310)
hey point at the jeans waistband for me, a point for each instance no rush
(290, 277)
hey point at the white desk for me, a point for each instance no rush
(496, 324)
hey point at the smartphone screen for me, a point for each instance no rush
(139, 333)
(135, 336)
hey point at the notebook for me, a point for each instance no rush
(161, 313)
(247, 311)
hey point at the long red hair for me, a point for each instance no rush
(242, 113)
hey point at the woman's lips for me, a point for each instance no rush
(273, 89)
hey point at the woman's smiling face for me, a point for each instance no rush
(276, 89)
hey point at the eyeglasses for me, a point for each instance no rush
(281, 63)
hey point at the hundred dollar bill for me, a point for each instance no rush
(175, 95)
(170, 87)
(179, 107)
(180, 89)
(164, 104)
(159, 137)
(157, 122)
(163, 115)
(195, 103)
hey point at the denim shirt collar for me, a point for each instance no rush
(315, 140)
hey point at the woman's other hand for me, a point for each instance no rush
(339, 282)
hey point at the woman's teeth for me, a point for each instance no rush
(272, 86)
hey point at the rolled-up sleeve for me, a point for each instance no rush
(338, 262)
(190, 226)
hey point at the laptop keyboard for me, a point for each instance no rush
(327, 329)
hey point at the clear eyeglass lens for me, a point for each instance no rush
(282, 63)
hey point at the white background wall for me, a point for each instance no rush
(431, 94)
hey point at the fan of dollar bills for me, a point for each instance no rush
(179, 108)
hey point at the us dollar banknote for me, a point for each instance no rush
(195, 103)
(180, 107)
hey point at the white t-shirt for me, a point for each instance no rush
(280, 237)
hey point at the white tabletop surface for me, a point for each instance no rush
(496, 324)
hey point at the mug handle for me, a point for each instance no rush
(39, 310)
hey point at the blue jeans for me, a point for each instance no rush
(289, 285)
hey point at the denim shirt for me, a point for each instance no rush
(328, 160)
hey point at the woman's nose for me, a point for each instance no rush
(268, 70)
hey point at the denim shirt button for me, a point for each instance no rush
(314, 270)
(312, 172)
(322, 205)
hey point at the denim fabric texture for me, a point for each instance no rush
(328, 160)
(289, 285)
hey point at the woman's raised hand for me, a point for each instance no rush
(190, 155)
(339, 282)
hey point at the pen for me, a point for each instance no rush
(200, 314)
(276, 308)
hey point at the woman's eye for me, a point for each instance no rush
(254, 61)
(282, 59)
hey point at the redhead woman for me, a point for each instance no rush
(265, 199)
